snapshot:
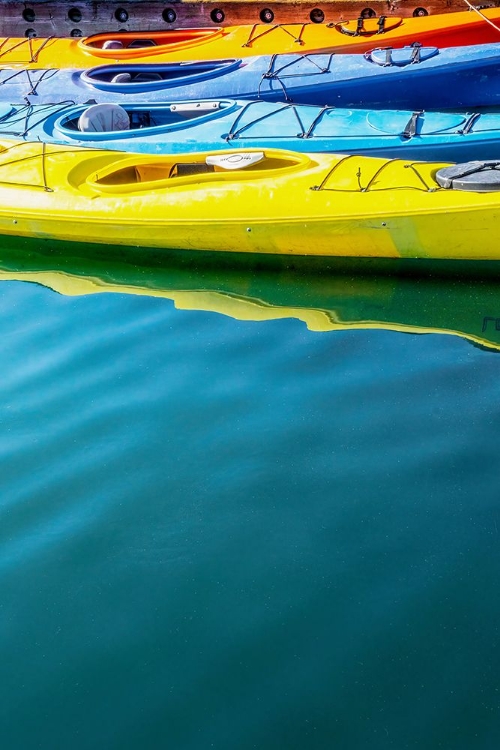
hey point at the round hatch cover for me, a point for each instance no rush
(474, 176)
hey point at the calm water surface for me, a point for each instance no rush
(222, 533)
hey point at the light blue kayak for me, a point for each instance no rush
(408, 78)
(207, 125)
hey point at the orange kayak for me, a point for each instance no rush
(443, 30)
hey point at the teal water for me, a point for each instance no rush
(222, 533)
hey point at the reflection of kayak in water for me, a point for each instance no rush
(324, 302)
(442, 30)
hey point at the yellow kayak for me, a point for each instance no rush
(178, 45)
(323, 301)
(273, 202)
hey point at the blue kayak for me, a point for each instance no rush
(207, 125)
(409, 78)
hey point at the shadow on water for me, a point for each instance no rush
(411, 298)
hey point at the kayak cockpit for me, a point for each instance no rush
(133, 79)
(104, 122)
(135, 44)
(143, 173)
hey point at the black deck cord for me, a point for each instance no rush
(318, 117)
(15, 46)
(377, 173)
(267, 30)
(42, 108)
(37, 52)
(269, 72)
(297, 59)
(14, 74)
(235, 132)
(33, 53)
(232, 132)
(330, 172)
(21, 145)
(34, 86)
(27, 73)
(22, 115)
(373, 178)
(471, 121)
(274, 77)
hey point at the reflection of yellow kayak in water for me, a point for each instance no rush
(323, 302)
(272, 202)
(179, 45)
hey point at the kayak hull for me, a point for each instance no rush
(216, 125)
(281, 203)
(450, 78)
(444, 30)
